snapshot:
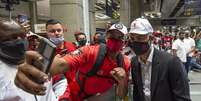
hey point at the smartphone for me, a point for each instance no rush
(64, 52)
(48, 50)
(22, 18)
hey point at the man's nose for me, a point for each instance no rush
(57, 32)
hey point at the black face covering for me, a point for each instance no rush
(139, 47)
(13, 51)
(82, 42)
(101, 39)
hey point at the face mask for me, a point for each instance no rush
(13, 51)
(82, 42)
(114, 45)
(182, 38)
(57, 40)
(101, 39)
(140, 47)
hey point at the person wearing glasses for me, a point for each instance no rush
(109, 82)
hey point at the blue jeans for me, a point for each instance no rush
(194, 64)
(187, 64)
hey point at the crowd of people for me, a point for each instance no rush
(184, 44)
(156, 64)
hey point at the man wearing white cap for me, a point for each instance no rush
(157, 76)
(103, 75)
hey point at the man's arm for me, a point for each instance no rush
(174, 52)
(192, 50)
(28, 76)
(178, 80)
(59, 66)
(122, 87)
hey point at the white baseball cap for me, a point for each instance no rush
(141, 26)
(119, 27)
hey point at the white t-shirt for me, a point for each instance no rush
(180, 48)
(189, 42)
(9, 92)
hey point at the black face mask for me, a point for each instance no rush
(101, 39)
(13, 51)
(82, 42)
(139, 47)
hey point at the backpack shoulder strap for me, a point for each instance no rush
(120, 60)
(99, 61)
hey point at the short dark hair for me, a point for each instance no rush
(78, 34)
(52, 22)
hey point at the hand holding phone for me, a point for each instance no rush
(48, 51)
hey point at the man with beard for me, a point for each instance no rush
(157, 75)
(179, 48)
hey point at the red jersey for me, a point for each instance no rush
(83, 60)
(67, 48)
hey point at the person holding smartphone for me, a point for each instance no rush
(12, 50)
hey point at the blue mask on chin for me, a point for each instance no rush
(57, 40)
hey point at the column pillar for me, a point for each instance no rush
(130, 10)
(136, 9)
(125, 12)
(92, 20)
(70, 13)
(33, 14)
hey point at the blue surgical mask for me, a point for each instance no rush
(57, 40)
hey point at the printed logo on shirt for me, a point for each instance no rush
(76, 52)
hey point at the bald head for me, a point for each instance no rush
(10, 30)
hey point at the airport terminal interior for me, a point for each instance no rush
(167, 17)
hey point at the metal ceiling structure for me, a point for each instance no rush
(156, 8)
(101, 9)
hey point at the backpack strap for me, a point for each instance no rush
(99, 61)
(94, 70)
(120, 60)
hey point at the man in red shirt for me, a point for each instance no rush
(108, 76)
(55, 33)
